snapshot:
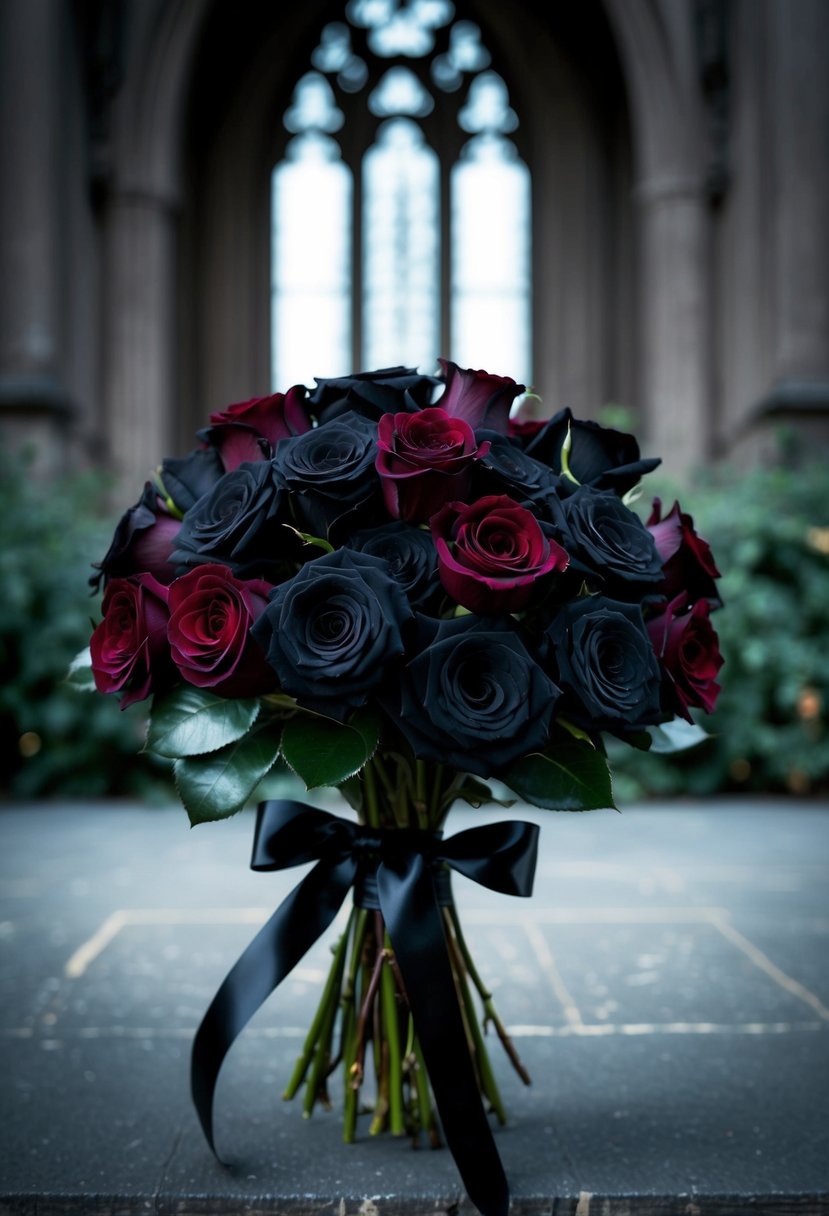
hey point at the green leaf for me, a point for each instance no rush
(192, 721)
(219, 784)
(324, 752)
(79, 676)
(569, 776)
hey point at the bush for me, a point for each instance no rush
(769, 530)
(54, 739)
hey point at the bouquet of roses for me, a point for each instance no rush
(400, 590)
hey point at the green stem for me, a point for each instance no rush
(490, 1012)
(316, 1085)
(489, 1085)
(372, 803)
(436, 800)
(391, 1026)
(328, 999)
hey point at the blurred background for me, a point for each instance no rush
(621, 203)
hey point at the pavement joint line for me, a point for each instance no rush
(717, 918)
(517, 1030)
(547, 962)
(761, 960)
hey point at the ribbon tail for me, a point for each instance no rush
(274, 952)
(415, 924)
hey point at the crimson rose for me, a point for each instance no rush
(250, 430)
(492, 553)
(129, 648)
(688, 564)
(424, 460)
(688, 649)
(211, 613)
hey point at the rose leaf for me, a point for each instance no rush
(219, 784)
(192, 721)
(324, 752)
(570, 776)
(80, 676)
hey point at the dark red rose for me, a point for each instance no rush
(687, 646)
(250, 430)
(211, 613)
(481, 399)
(130, 652)
(142, 543)
(424, 460)
(491, 554)
(686, 558)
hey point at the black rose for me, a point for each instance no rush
(607, 540)
(390, 390)
(507, 469)
(412, 558)
(186, 479)
(330, 473)
(599, 456)
(238, 523)
(473, 696)
(605, 665)
(332, 632)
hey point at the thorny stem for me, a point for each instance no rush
(490, 1013)
(321, 1016)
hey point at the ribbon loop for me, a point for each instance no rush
(403, 873)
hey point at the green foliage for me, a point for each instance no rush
(324, 752)
(55, 739)
(570, 776)
(769, 531)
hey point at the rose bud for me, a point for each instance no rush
(688, 564)
(142, 543)
(211, 613)
(183, 480)
(250, 430)
(598, 455)
(130, 652)
(492, 554)
(424, 460)
(688, 649)
(479, 398)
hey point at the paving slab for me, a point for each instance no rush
(667, 987)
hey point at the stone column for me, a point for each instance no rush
(675, 339)
(798, 35)
(139, 332)
(34, 406)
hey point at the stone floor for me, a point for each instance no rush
(667, 987)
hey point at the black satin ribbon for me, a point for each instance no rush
(404, 864)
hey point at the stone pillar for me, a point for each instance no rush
(139, 332)
(675, 336)
(34, 406)
(798, 35)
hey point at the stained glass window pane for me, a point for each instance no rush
(311, 271)
(491, 306)
(401, 234)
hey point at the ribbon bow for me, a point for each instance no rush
(405, 865)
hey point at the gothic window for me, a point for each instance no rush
(400, 203)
